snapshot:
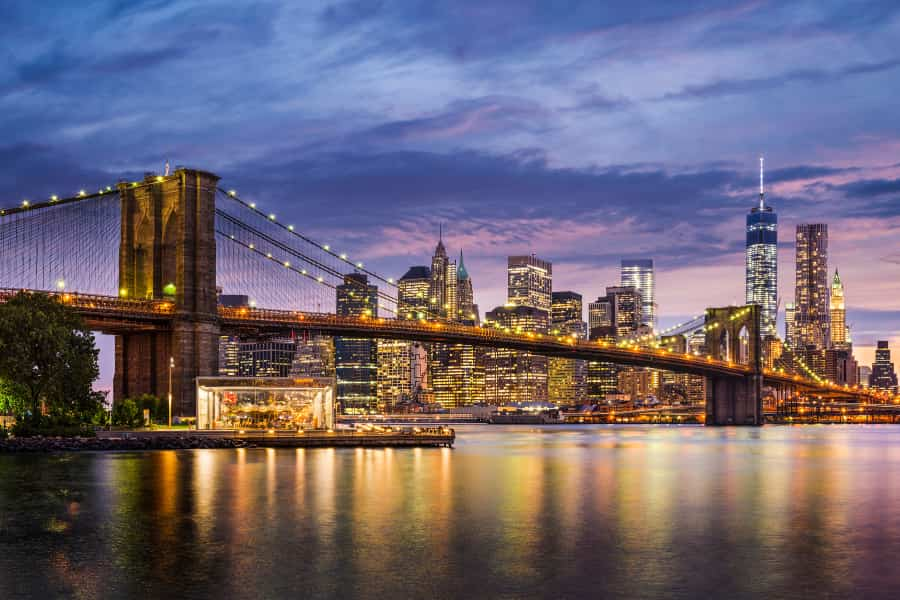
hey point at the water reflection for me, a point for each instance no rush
(510, 513)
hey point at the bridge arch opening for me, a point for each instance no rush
(743, 346)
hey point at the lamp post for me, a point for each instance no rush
(171, 368)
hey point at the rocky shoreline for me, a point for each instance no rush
(76, 444)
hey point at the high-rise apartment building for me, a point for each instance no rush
(840, 336)
(639, 274)
(811, 316)
(883, 376)
(567, 378)
(761, 277)
(512, 375)
(529, 282)
(356, 359)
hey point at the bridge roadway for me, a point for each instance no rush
(113, 315)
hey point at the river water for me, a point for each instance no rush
(510, 512)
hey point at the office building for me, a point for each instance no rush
(455, 373)
(356, 359)
(466, 308)
(639, 274)
(266, 358)
(840, 336)
(229, 356)
(512, 375)
(567, 378)
(413, 293)
(529, 282)
(883, 376)
(611, 318)
(761, 276)
(314, 356)
(394, 373)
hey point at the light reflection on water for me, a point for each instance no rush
(511, 512)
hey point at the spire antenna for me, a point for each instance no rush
(762, 191)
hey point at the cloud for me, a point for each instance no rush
(726, 87)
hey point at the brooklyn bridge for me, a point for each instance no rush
(145, 261)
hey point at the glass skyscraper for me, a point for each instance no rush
(639, 275)
(762, 260)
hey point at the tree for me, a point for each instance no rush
(48, 356)
(127, 413)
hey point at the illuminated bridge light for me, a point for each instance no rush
(25, 203)
(271, 216)
(54, 198)
(82, 193)
(326, 247)
(253, 205)
(290, 227)
(232, 193)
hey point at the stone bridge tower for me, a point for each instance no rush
(168, 252)
(733, 334)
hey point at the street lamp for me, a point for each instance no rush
(171, 368)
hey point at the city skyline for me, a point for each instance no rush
(549, 162)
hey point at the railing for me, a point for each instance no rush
(93, 304)
(103, 304)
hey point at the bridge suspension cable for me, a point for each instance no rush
(359, 265)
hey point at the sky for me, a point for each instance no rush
(584, 132)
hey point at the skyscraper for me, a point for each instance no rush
(611, 318)
(811, 317)
(513, 375)
(413, 291)
(356, 359)
(455, 375)
(466, 309)
(443, 282)
(762, 260)
(638, 273)
(529, 282)
(839, 334)
(883, 376)
(566, 376)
